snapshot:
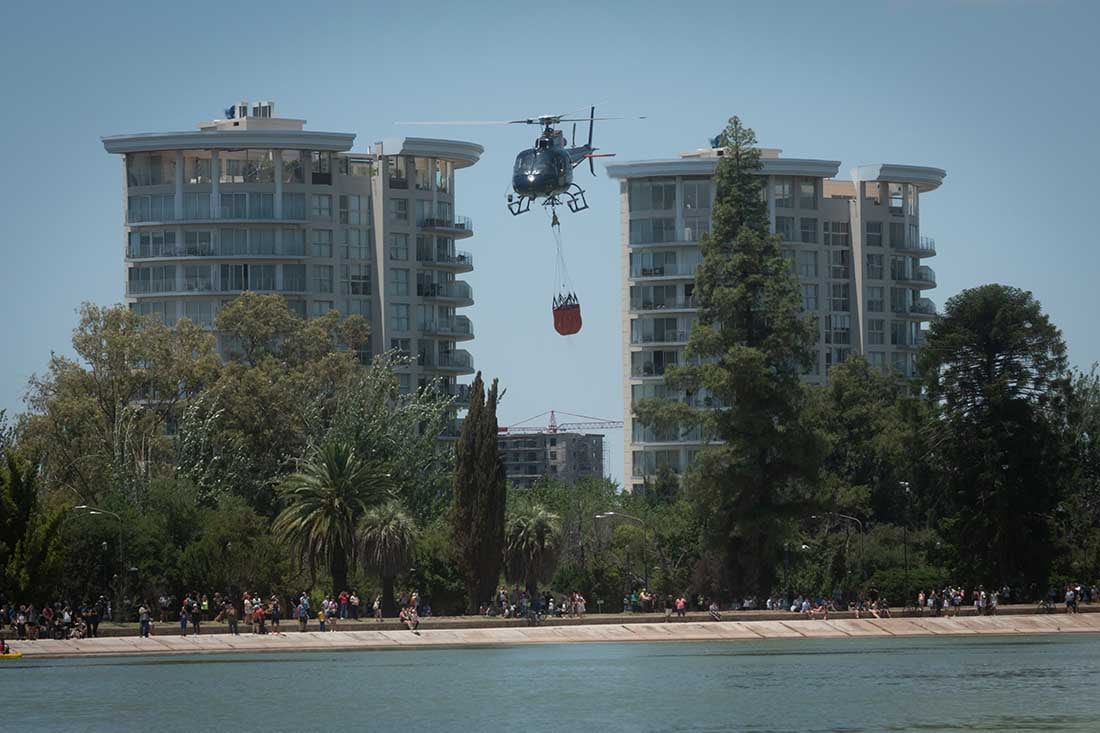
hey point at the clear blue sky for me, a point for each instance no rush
(1003, 95)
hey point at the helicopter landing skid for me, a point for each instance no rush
(519, 206)
(575, 199)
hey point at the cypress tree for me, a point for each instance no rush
(477, 519)
(748, 349)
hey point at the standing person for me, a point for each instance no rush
(681, 607)
(162, 602)
(377, 608)
(345, 600)
(144, 617)
(185, 611)
(669, 605)
(247, 606)
(94, 614)
(321, 619)
(354, 602)
(276, 613)
(231, 618)
(196, 618)
(303, 615)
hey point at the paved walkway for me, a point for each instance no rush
(674, 631)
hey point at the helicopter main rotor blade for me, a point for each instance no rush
(466, 122)
(586, 119)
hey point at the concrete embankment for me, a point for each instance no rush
(644, 632)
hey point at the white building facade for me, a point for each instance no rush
(258, 203)
(855, 245)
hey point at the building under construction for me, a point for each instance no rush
(557, 451)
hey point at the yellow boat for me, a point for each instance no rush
(12, 655)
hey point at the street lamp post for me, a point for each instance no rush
(905, 539)
(645, 527)
(91, 510)
(850, 518)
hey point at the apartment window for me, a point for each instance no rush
(233, 277)
(809, 298)
(198, 243)
(262, 242)
(914, 237)
(911, 200)
(399, 282)
(294, 206)
(784, 193)
(876, 331)
(150, 169)
(293, 172)
(872, 191)
(807, 194)
(197, 278)
(900, 300)
(788, 254)
(322, 278)
(875, 266)
(784, 227)
(399, 316)
(838, 329)
(807, 264)
(899, 268)
(197, 167)
(836, 356)
(321, 307)
(356, 279)
(261, 205)
(399, 209)
(157, 243)
(839, 261)
(162, 310)
(652, 195)
(297, 307)
(403, 347)
(399, 246)
(293, 242)
(836, 233)
(352, 210)
(357, 244)
(696, 195)
(652, 231)
(422, 177)
(898, 332)
(443, 173)
(695, 227)
(808, 230)
(398, 175)
(196, 206)
(841, 300)
(261, 277)
(876, 299)
(201, 313)
(294, 279)
(321, 206)
(359, 168)
(234, 206)
(877, 359)
(359, 307)
(321, 167)
(896, 198)
(874, 234)
(322, 243)
(897, 234)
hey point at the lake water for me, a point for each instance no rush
(918, 684)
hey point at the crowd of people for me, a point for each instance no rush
(55, 620)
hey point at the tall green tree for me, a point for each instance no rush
(29, 532)
(748, 350)
(1079, 513)
(532, 546)
(480, 496)
(387, 541)
(995, 368)
(324, 503)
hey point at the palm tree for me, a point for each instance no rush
(387, 536)
(532, 544)
(325, 500)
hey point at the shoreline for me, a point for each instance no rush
(429, 637)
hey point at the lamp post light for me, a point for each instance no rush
(862, 534)
(645, 528)
(121, 575)
(905, 539)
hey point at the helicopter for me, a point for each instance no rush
(546, 170)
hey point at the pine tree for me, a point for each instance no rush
(477, 519)
(748, 349)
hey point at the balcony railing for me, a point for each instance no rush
(446, 291)
(399, 183)
(652, 305)
(456, 360)
(459, 326)
(668, 337)
(681, 270)
(459, 258)
(925, 274)
(204, 250)
(923, 306)
(927, 244)
(455, 223)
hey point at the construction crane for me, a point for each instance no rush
(585, 423)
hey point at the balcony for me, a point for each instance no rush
(664, 271)
(686, 302)
(458, 328)
(668, 337)
(458, 227)
(459, 361)
(925, 277)
(459, 261)
(923, 307)
(923, 247)
(401, 183)
(457, 293)
(185, 251)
